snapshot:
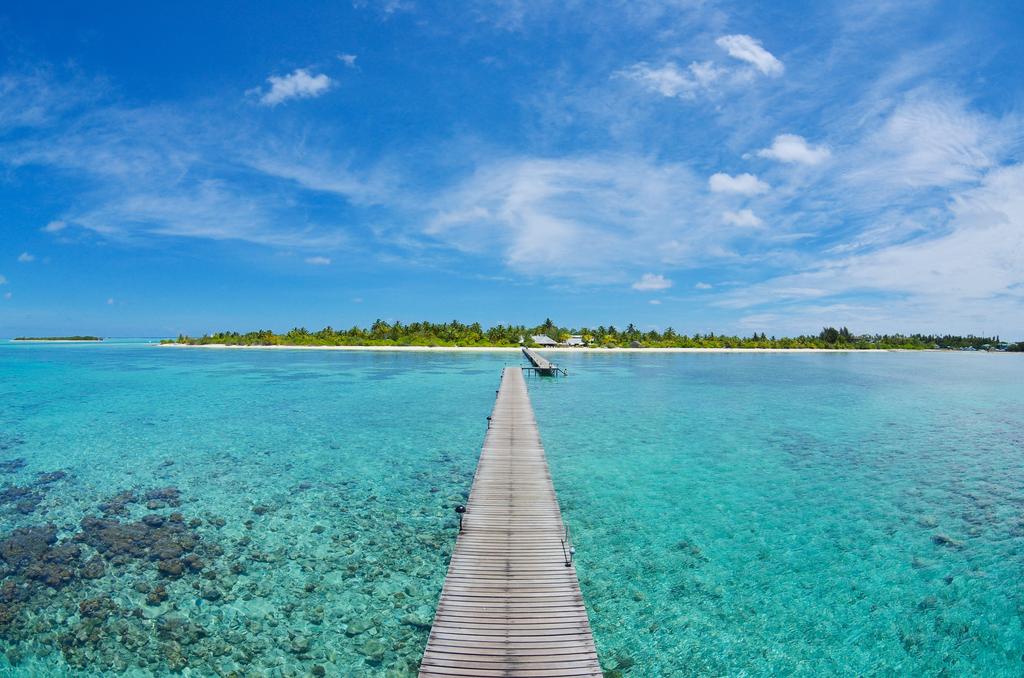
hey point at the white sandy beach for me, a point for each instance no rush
(558, 349)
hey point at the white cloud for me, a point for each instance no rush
(34, 99)
(8, 295)
(967, 278)
(110, 301)
(794, 148)
(348, 59)
(746, 48)
(655, 302)
(595, 218)
(318, 261)
(705, 77)
(705, 72)
(744, 184)
(320, 172)
(3, 280)
(930, 141)
(212, 210)
(299, 84)
(702, 286)
(671, 81)
(25, 257)
(151, 173)
(650, 282)
(744, 218)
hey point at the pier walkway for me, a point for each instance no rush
(511, 606)
(541, 364)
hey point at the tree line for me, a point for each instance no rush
(455, 333)
(77, 337)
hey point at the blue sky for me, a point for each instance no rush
(710, 166)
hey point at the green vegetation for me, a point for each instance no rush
(454, 333)
(74, 338)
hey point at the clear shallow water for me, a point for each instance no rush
(808, 514)
(334, 475)
(735, 514)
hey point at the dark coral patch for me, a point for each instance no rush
(157, 595)
(117, 505)
(36, 560)
(11, 465)
(34, 553)
(51, 477)
(57, 566)
(153, 538)
(8, 442)
(194, 562)
(26, 545)
(25, 499)
(171, 495)
(170, 568)
(153, 520)
(99, 607)
(94, 568)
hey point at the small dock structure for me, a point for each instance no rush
(511, 603)
(540, 364)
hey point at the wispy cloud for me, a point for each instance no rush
(744, 218)
(650, 282)
(386, 7)
(743, 184)
(316, 171)
(209, 210)
(793, 148)
(34, 98)
(951, 280)
(156, 172)
(348, 59)
(705, 77)
(931, 141)
(746, 48)
(590, 218)
(3, 280)
(299, 84)
(671, 81)
(702, 286)
(25, 257)
(54, 226)
(318, 261)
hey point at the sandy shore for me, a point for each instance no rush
(559, 349)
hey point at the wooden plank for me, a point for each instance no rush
(510, 606)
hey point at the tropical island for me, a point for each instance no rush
(83, 337)
(548, 334)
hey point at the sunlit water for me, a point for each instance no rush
(768, 514)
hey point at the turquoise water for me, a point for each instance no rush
(775, 514)
(808, 514)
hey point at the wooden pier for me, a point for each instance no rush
(541, 365)
(511, 603)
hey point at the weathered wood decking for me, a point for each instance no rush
(510, 606)
(541, 364)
